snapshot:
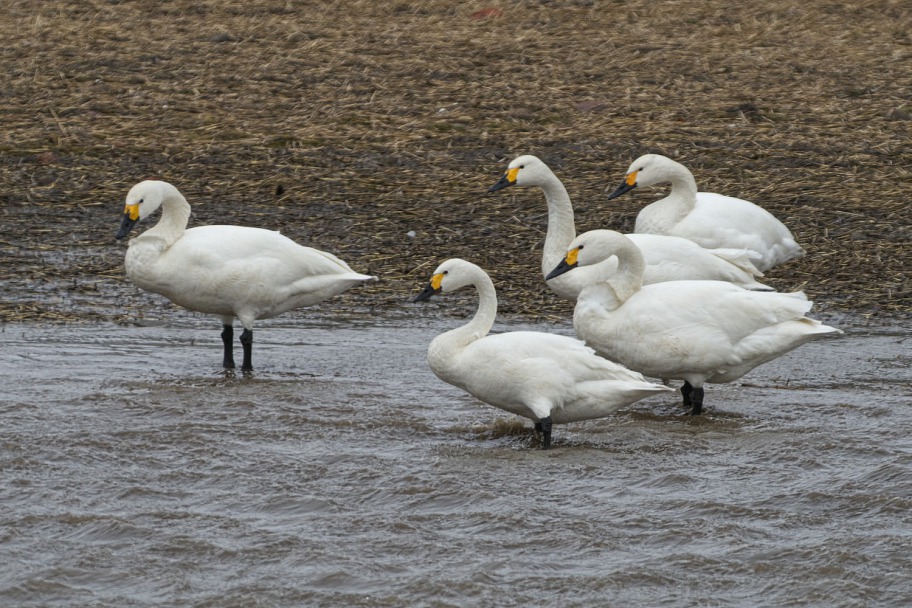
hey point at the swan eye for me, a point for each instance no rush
(446, 272)
(522, 166)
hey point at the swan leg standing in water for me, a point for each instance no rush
(543, 428)
(547, 378)
(232, 272)
(228, 346)
(693, 398)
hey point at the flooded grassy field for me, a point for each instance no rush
(135, 472)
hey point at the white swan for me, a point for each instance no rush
(228, 271)
(668, 258)
(709, 219)
(544, 377)
(696, 331)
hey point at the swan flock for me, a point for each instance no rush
(677, 299)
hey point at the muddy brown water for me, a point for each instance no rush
(135, 472)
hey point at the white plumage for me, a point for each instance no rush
(668, 258)
(710, 220)
(228, 271)
(696, 331)
(544, 377)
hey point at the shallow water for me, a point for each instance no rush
(135, 472)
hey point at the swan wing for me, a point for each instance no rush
(691, 329)
(537, 374)
(719, 221)
(671, 258)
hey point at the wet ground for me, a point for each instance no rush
(135, 472)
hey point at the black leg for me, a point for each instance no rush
(545, 425)
(538, 427)
(697, 399)
(687, 391)
(247, 343)
(228, 342)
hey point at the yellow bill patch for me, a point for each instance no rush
(632, 178)
(511, 174)
(572, 257)
(132, 211)
(435, 281)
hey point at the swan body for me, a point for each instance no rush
(668, 258)
(710, 220)
(228, 271)
(696, 331)
(544, 377)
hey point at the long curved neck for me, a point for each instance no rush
(483, 320)
(174, 218)
(611, 286)
(561, 228)
(628, 278)
(683, 195)
(478, 327)
(661, 216)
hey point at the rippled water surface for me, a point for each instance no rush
(135, 472)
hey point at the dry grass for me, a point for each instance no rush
(348, 124)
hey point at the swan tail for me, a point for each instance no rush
(745, 259)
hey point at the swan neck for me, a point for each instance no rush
(683, 185)
(561, 228)
(610, 282)
(628, 278)
(174, 217)
(483, 320)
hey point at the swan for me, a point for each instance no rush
(695, 331)
(227, 271)
(709, 219)
(547, 378)
(667, 257)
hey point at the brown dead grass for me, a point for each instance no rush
(348, 124)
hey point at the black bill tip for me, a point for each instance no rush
(126, 225)
(426, 294)
(502, 183)
(560, 269)
(622, 189)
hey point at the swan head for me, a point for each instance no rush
(647, 170)
(451, 275)
(526, 170)
(589, 249)
(142, 201)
